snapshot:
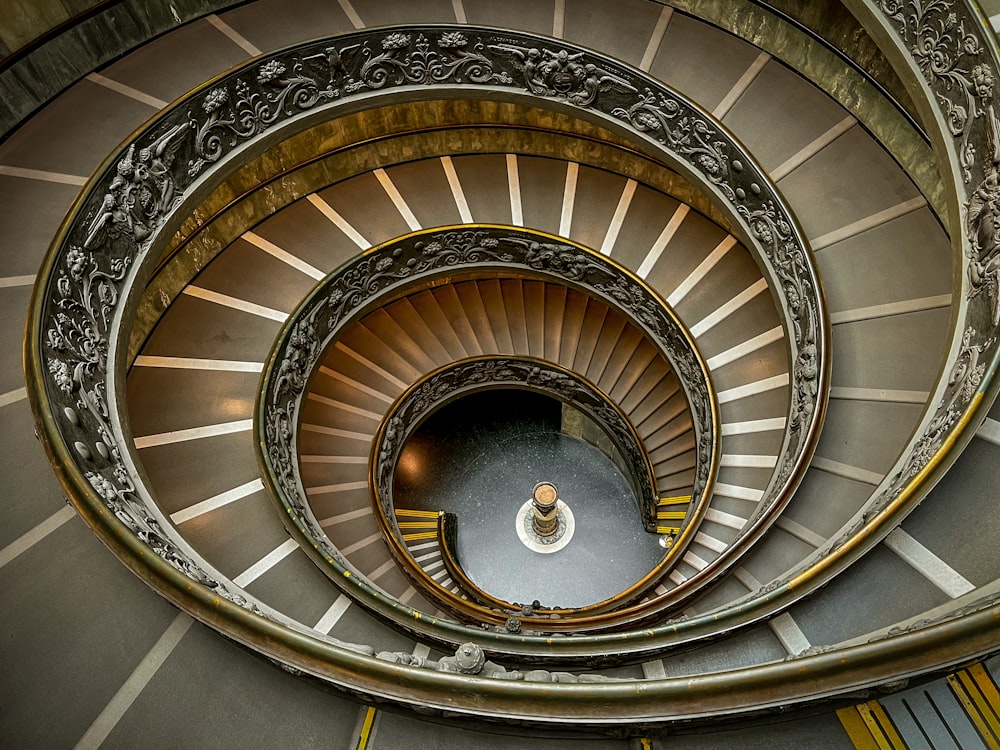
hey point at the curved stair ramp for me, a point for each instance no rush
(897, 311)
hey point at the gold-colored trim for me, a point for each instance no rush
(864, 665)
(458, 574)
(870, 728)
(980, 699)
(857, 729)
(575, 619)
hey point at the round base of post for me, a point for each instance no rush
(545, 544)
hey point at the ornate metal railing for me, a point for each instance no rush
(469, 376)
(144, 193)
(414, 261)
(87, 288)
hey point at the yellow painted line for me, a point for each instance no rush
(366, 728)
(418, 524)
(670, 515)
(418, 513)
(856, 729)
(668, 530)
(416, 537)
(980, 699)
(881, 726)
(675, 500)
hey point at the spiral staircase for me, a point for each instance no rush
(822, 463)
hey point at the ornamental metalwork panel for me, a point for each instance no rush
(385, 272)
(104, 253)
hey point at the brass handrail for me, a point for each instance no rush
(112, 505)
(456, 379)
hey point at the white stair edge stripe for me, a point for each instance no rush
(360, 544)
(37, 533)
(667, 234)
(355, 384)
(656, 38)
(789, 634)
(754, 425)
(191, 363)
(746, 578)
(725, 519)
(7, 282)
(569, 199)
(747, 347)
(747, 461)
(457, 193)
(42, 175)
(217, 501)
(339, 221)
(753, 389)
(710, 542)
(284, 256)
(514, 189)
(728, 308)
(267, 562)
(891, 308)
(653, 670)
(351, 409)
(846, 470)
(850, 393)
(868, 222)
(124, 90)
(989, 431)
(380, 371)
(349, 515)
(193, 433)
(397, 199)
(352, 15)
(808, 151)
(621, 211)
(381, 570)
(326, 489)
(336, 432)
(558, 18)
(927, 564)
(12, 397)
(235, 303)
(741, 85)
(740, 493)
(800, 532)
(333, 614)
(234, 36)
(135, 683)
(337, 460)
(701, 270)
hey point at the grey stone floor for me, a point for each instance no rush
(479, 459)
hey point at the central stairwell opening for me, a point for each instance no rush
(479, 459)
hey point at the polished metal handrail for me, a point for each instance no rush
(414, 261)
(476, 374)
(88, 284)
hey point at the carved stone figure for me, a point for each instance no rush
(141, 193)
(561, 74)
(983, 221)
(469, 659)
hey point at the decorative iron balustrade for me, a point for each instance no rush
(469, 376)
(406, 264)
(105, 250)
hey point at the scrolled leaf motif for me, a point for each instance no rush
(664, 119)
(949, 55)
(452, 61)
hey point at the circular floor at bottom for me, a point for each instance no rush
(481, 458)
